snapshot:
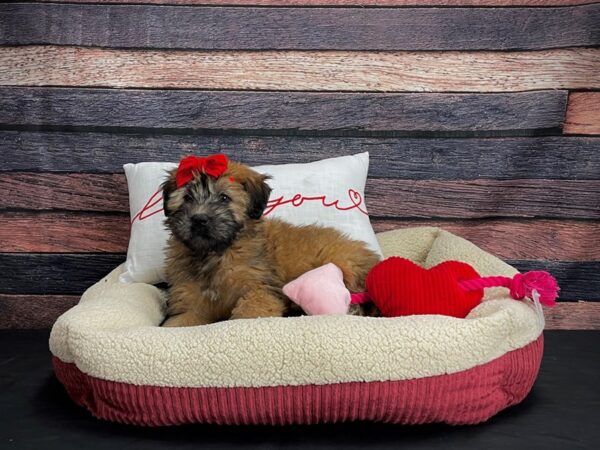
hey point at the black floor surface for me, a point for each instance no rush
(562, 412)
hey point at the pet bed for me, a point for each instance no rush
(114, 359)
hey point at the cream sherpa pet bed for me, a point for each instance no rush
(114, 359)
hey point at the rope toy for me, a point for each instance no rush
(521, 285)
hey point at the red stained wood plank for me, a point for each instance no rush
(257, 28)
(33, 311)
(583, 112)
(282, 112)
(73, 192)
(63, 233)
(301, 71)
(385, 197)
(573, 316)
(564, 240)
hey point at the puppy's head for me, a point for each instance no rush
(207, 213)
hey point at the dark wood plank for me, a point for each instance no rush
(478, 71)
(174, 27)
(576, 279)
(57, 232)
(33, 311)
(583, 113)
(384, 197)
(494, 3)
(553, 157)
(39, 273)
(41, 311)
(286, 112)
(483, 198)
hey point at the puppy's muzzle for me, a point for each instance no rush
(200, 225)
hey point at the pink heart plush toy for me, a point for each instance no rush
(320, 291)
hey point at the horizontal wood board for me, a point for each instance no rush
(385, 197)
(287, 112)
(546, 157)
(77, 232)
(33, 311)
(301, 70)
(361, 3)
(64, 232)
(47, 273)
(573, 316)
(224, 28)
(541, 239)
(583, 112)
(51, 273)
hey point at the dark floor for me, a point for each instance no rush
(562, 412)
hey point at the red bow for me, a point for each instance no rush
(213, 166)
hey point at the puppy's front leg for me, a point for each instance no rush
(258, 303)
(188, 306)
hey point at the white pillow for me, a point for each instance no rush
(328, 192)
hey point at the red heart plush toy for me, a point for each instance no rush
(400, 287)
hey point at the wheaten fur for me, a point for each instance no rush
(224, 261)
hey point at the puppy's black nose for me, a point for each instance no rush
(199, 225)
(199, 220)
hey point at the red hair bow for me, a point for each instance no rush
(213, 166)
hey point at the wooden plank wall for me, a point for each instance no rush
(481, 116)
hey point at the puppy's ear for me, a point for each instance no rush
(168, 187)
(259, 192)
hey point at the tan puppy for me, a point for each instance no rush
(226, 262)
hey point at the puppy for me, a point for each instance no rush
(224, 261)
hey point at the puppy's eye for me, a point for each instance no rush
(188, 197)
(224, 198)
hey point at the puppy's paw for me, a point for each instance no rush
(258, 304)
(184, 320)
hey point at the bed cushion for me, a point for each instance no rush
(114, 359)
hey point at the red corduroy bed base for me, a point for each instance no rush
(466, 397)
